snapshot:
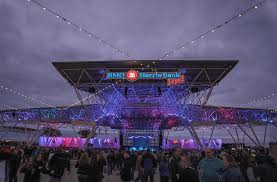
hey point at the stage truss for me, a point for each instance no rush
(145, 104)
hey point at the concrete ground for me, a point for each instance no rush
(72, 176)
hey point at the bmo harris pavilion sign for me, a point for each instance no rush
(133, 75)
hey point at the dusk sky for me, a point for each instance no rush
(31, 39)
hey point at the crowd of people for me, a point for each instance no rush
(176, 166)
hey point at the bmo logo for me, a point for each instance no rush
(132, 75)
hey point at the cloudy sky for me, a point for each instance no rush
(31, 38)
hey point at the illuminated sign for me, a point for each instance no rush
(133, 75)
(176, 81)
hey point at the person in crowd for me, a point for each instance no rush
(194, 160)
(38, 166)
(133, 157)
(231, 172)
(187, 172)
(119, 160)
(102, 162)
(110, 161)
(27, 168)
(164, 169)
(174, 164)
(57, 164)
(94, 171)
(148, 163)
(13, 164)
(265, 169)
(209, 167)
(125, 172)
(82, 167)
(138, 166)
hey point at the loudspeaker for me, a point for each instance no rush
(92, 90)
(160, 139)
(194, 89)
(126, 91)
(159, 91)
(121, 140)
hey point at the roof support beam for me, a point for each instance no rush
(232, 136)
(265, 132)
(247, 135)
(250, 125)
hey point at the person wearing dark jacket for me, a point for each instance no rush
(148, 163)
(187, 172)
(37, 166)
(125, 172)
(94, 171)
(27, 168)
(110, 161)
(230, 173)
(13, 165)
(102, 162)
(174, 164)
(57, 165)
(83, 167)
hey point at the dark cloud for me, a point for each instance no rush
(30, 39)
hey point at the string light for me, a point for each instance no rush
(260, 99)
(43, 103)
(68, 21)
(211, 30)
(25, 96)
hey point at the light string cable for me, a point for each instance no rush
(90, 34)
(8, 106)
(260, 99)
(257, 100)
(31, 99)
(211, 30)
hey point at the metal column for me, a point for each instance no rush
(265, 132)
(212, 134)
(248, 135)
(254, 134)
(232, 136)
